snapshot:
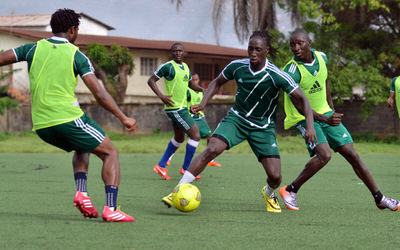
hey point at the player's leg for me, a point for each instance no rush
(111, 178)
(225, 136)
(272, 167)
(349, 153)
(216, 146)
(321, 155)
(82, 201)
(173, 145)
(264, 145)
(194, 138)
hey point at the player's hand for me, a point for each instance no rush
(311, 136)
(390, 102)
(167, 100)
(130, 124)
(335, 119)
(196, 108)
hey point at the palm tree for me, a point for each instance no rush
(250, 15)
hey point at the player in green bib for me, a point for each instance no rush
(194, 98)
(252, 116)
(177, 80)
(53, 66)
(309, 68)
(395, 94)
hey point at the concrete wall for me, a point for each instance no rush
(151, 117)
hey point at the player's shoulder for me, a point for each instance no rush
(276, 72)
(240, 62)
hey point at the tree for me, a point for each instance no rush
(112, 66)
(6, 102)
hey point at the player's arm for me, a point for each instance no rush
(302, 105)
(7, 57)
(152, 82)
(195, 86)
(105, 100)
(390, 100)
(212, 89)
(336, 118)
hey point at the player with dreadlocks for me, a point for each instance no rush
(53, 66)
(252, 116)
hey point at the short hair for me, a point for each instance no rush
(63, 19)
(176, 44)
(300, 31)
(264, 34)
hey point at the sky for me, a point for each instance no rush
(146, 19)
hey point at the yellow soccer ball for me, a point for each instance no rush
(186, 197)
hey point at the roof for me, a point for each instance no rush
(38, 20)
(133, 43)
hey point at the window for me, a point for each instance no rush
(148, 65)
(204, 70)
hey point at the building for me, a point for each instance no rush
(204, 59)
(89, 25)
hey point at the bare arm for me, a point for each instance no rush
(390, 100)
(333, 120)
(303, 106)
(105, 100)
(329, 96)
(7, 57)
(212, 89)
(195, 86)
(153, 85)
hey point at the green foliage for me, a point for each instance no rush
(5, 101)
(112, 65)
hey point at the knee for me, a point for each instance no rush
(213, 150)
(325, 157)
(274, 179)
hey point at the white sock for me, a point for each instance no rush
(269, 191)
(187, 178)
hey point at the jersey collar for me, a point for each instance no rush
(265, 66)
(61, 39)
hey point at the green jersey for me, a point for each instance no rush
(176, 78)
(312, 80)
(53, 66)
(257, 95)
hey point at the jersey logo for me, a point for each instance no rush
(240, 80)
(315, 88)
(185, 78)
(345, 135)
(274, 145)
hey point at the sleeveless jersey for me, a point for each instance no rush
(177, 87)
(314, 88)
(193, 98)
(52, 84)
(397, 94)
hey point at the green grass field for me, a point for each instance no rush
(337, 210)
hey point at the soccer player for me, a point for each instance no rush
(177, 79)
(252, 117)
(53, 66)
(309, 68)
(395, 94)
(194, 98)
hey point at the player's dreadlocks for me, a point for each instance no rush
(264, 34)
(63, 19)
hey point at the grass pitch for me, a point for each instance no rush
(337, 210)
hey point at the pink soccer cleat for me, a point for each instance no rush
(116, 216)
(84, 204)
